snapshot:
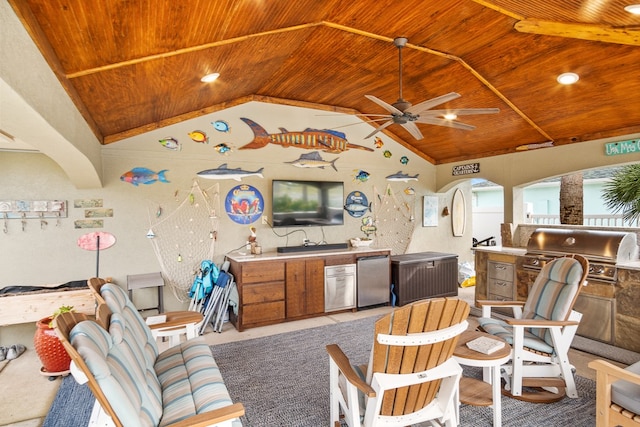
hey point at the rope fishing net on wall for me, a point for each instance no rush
(394, 220)
(183, 231)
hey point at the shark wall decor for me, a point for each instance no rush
(223, 172)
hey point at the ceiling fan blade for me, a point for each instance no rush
(460, 111)
(388, 116)
(412, 129)
(390, 108)
(379, 128)
(443, 122)
(430, 103)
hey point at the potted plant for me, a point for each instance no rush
(54, 358)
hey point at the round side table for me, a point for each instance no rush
(476, 392)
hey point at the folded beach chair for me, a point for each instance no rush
(217, 303)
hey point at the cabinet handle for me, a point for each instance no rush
(503, 284)
(500, 267)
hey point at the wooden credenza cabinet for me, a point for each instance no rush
(274, 288)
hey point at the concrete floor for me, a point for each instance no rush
(26, 395)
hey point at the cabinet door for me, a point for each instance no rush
(295, 288)
(304, 287)
(315, 286)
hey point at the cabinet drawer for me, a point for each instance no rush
(265, 312)
(339, 260)
(495, 297)
(252, 294)
(501, 271)
(340, 270)
(260, 272)
(501, 287)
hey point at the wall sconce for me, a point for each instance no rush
(445, 211)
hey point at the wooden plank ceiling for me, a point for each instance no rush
(132, 66)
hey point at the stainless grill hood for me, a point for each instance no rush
(604, 246)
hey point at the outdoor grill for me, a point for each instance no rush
(603, 249)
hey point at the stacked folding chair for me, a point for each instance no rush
(217, 304)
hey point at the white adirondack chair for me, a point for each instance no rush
(541, 332)
(411, 377)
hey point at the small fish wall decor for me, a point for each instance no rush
(361, 176)
(409, 191)
(221, 126)
(313, 160)
(357, 204)
(138, 176)
(400, 176)
(327, 140)
(199, 136)
(378, 142)
(387, 154)
(404, 160)
(223, 148)
(170, 143)
(223, 172)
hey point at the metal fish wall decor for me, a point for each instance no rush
(329, 141)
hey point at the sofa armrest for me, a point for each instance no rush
(612, 372)
(212, 418)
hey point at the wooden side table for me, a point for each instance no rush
(476, 392)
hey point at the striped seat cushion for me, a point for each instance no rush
(155, 389)
(503, 330)
(553, 293)
(550, 298)
(191, 381)
(133, 391)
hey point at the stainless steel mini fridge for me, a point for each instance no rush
(373, 280)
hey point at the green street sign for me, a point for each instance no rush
(622, 147)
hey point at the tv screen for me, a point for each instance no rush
(307, 203)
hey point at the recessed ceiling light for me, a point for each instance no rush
(450, 116)
(210, 77)
(568, 78)
(633, 8)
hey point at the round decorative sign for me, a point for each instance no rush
(244, 204)
(357, 204)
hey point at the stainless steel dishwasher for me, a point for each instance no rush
(373, 280)
(339, 287)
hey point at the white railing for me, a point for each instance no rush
(593, 220)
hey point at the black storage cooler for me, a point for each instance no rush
(424, 275)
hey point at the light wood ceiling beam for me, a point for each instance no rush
(598, 33)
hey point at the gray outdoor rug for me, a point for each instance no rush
(283, 380)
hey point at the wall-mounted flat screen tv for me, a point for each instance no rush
(307, 203)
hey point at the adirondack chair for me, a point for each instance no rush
(411, 376)
(541, 332)
(176, 323)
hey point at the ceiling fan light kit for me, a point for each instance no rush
(403, 113)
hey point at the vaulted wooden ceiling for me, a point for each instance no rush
(133, 66)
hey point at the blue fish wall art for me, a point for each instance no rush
(144, 176)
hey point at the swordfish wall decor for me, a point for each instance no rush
(327, 140)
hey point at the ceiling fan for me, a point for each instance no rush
(403, 113)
